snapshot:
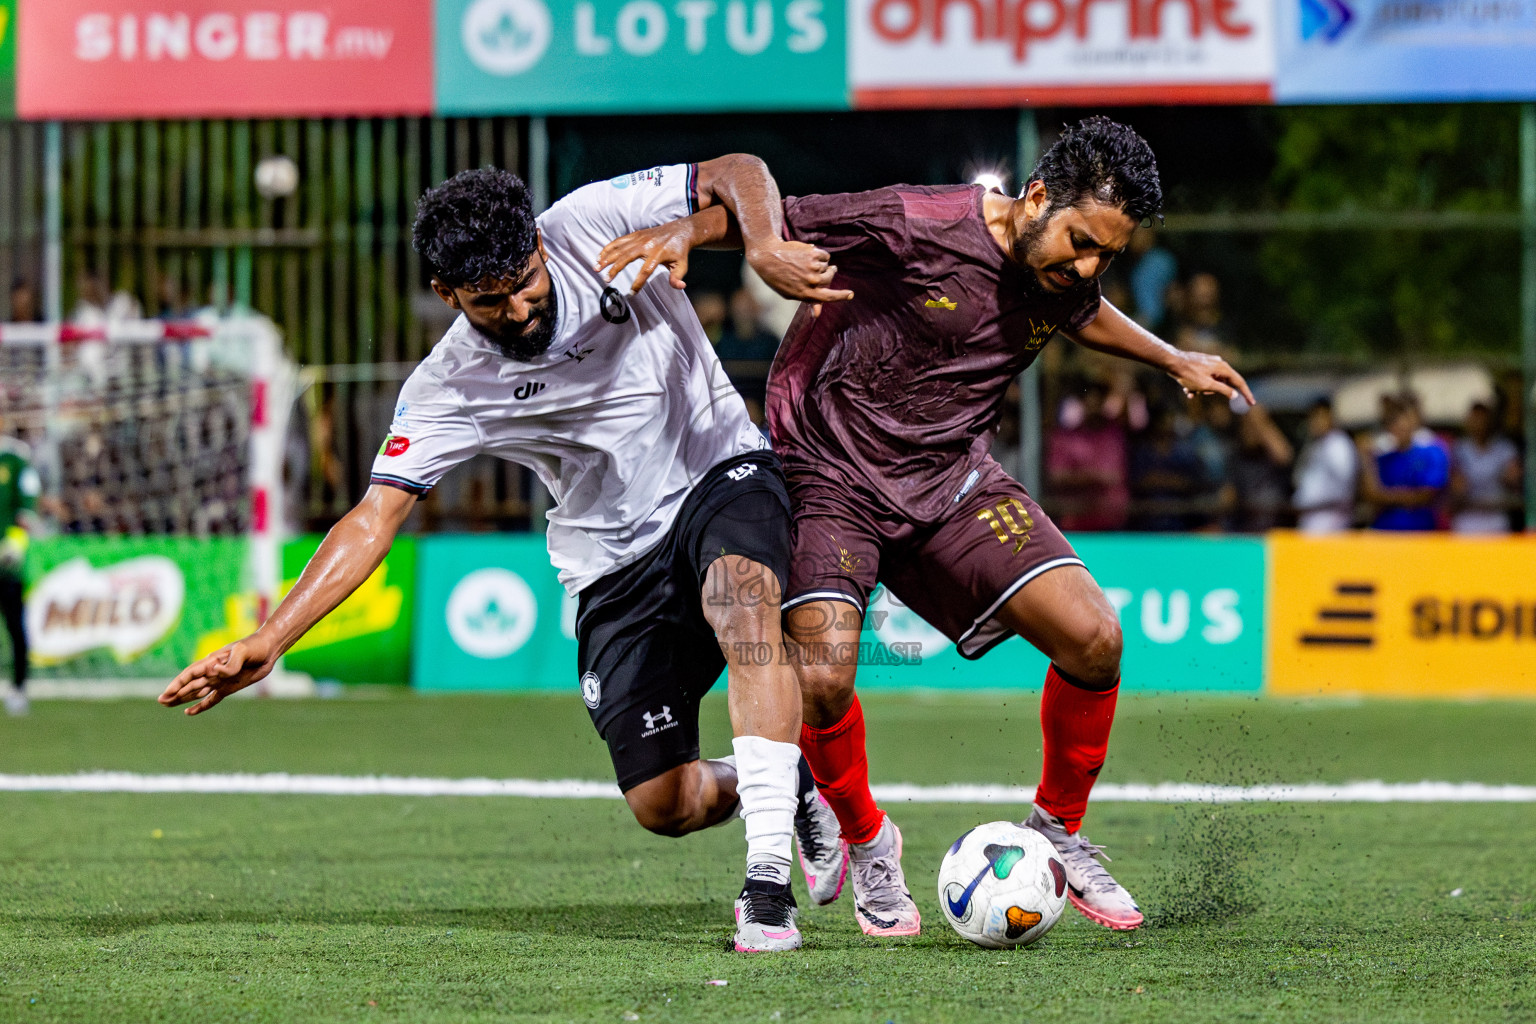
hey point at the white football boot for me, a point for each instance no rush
(16, 703)
(765, 918)
(823, 853)
(1090, 887)
(881, 903)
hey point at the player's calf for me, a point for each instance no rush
(685, 799)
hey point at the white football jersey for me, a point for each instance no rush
(620, 418)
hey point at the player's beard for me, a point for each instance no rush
(1028, 247)
(525, 346)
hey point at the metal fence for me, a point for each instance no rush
(167, 212)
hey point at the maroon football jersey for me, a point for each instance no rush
(898, 392)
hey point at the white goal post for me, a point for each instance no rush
(156, 441)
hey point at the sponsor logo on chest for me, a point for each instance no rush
(1040, 332)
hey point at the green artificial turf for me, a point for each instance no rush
(280, 908)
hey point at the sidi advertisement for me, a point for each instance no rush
(223, 58)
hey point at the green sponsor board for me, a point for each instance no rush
(1191, 611)
(133, 607)
(571, 56)
(7, 58)
(368, 638)
(491, 615)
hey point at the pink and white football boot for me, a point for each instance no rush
(1090, 887)
(823, 853)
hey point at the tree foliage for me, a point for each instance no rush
(1399, 291)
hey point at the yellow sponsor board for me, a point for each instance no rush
(1418, 615)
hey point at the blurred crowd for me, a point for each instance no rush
(97, 305)
(1124, 449)
(1113, 461)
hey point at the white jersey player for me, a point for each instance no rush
(671, 517)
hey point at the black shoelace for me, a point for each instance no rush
(805, 830)
(767, 908)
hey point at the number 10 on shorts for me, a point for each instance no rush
(1010, 521)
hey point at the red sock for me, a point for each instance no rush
(1076, 724)
(837, 759)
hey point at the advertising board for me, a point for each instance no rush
(132, 607)
(491, 615)
(101, 59)
(1402, 615)
(538, 56)
(1191, 612)
(367, 639)
(1352, 51)
(933, 53)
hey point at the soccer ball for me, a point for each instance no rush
(277, 177)
(1001, 885)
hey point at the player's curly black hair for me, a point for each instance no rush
(476, 225)
(1104, 160)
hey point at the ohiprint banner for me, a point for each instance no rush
(223, 58)
(926, 53)
(534, 56)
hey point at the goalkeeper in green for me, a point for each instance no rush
(18, 500)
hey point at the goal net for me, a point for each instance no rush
(160, 450)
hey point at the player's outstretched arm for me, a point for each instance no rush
(348, 556)
(741, 183)
(1198, 373)
(739, 207)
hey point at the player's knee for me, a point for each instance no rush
(826, 685)
(741, 600)
(666, 814)
(667, 822)
(1093, 660)
(672, 803)
(1101, 653)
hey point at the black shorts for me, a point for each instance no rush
(646, 653)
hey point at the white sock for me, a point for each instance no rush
(766, 777)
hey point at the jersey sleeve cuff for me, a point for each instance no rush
(409, 486)
(692, 189)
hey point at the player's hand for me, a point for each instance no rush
(222, 673)
(797, 271)
(665, 245)
(1200, 373)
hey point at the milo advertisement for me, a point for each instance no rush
(132, 607)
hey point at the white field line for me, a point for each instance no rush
(577, 789)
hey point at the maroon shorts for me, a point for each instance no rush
(955, 573)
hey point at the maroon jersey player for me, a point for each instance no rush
(883, 408)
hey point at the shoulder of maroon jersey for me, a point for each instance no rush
(938, 202)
